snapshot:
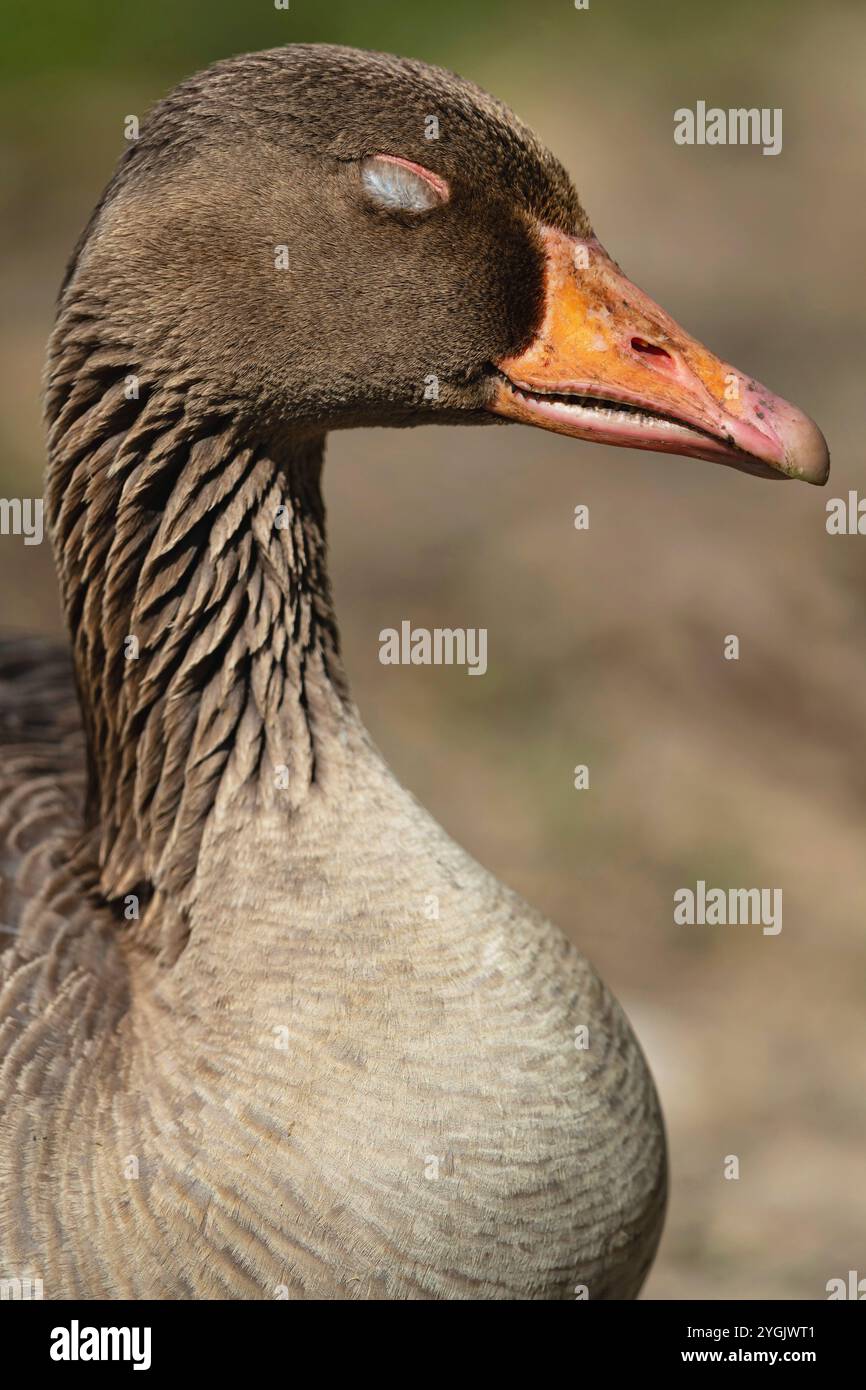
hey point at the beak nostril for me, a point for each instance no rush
(649, 349)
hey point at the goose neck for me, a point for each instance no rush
(192, 562)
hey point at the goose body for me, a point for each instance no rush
(265, 1030)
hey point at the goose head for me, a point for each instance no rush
(319, 238)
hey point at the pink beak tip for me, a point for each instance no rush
(806, 454)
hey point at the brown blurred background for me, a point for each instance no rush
(605, 646)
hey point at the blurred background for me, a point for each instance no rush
(605, 646)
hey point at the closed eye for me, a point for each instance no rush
(398, 185)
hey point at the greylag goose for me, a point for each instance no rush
(241, 1055)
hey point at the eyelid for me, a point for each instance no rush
(385, 182)
(436, 182)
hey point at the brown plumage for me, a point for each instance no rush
(241, 1055)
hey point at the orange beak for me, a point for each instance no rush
(609, 365)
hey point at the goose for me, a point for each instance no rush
(242, 1057)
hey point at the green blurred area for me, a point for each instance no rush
(165, 38)
(70, 73)
(603, 649)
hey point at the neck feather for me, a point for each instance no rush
(192, 569)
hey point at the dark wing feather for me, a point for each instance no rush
(42, 772)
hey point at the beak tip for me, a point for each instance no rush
(806, 454)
